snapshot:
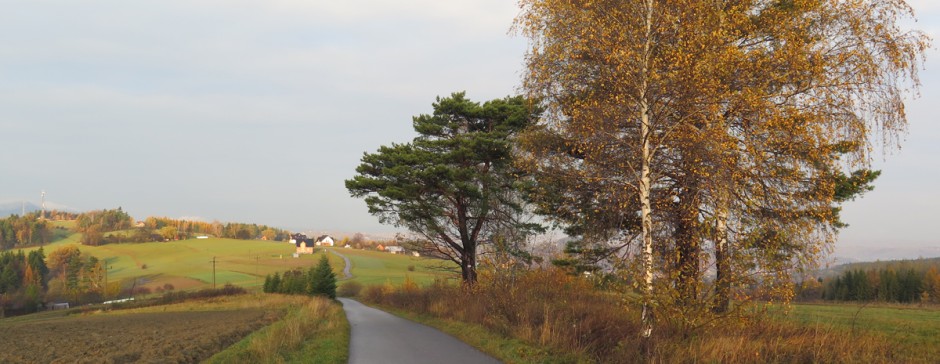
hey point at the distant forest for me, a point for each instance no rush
(902, 281)
(116, 226)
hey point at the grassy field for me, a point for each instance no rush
(372, 267)
(917, 328)
(187, 264)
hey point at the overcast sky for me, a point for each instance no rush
(257, 111)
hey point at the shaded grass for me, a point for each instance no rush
(314, 330)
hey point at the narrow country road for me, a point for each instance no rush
(380, 337)
(348, 266)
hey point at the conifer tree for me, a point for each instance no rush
(323, 279)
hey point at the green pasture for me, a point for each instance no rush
(373, 267)
(66, 224)
(915, 327)
(188, 263)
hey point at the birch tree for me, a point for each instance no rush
(722, 122)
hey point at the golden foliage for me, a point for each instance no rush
(721, 122)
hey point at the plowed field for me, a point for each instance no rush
(151, 337)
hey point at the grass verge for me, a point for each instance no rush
(540, 314)
(506, 349)
(314, 330)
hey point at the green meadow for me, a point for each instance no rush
(373, 267)
(917, 327)
(188, 264)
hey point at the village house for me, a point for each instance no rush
(394, 249)
(325, 240)
(304, 245)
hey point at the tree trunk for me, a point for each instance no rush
(688, 243)
(722, 269)
(468, 266)
(645, 181)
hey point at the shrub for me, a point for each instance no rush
(349, 289)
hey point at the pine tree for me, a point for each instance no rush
(267, 283)
(324, 280)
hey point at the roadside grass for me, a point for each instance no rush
(566, 320)
(506, 349)
(373, 267)
(314, 330)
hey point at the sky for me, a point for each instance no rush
(257, 111)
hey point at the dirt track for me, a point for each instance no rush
(165, 337)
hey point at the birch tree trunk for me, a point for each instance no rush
(645, 180)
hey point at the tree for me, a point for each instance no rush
(453, 184)
(676, 124)
(322, 280)
(168, 232)
(269, 234)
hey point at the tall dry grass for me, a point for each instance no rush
(568, 315)
(313, 330)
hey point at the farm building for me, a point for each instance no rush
(304, 245)
(325, 240)
(394, 249)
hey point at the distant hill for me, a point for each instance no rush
(878, 265)
(16, 208)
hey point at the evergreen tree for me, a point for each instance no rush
(276, 283)
(267, 284)
(324, 280)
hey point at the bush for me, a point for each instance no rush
(349, 289)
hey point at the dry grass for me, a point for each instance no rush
(567, 315)
(314, 330)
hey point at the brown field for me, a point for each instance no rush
(121, 337)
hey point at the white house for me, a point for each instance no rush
(325, 240)
(394, 249)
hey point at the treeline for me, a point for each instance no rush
(317, 281)
(183, 229)
(65, 275)
(23, 280)
(95, 224)
(885, 285)
(22, 231)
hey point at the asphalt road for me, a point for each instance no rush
(380, 337)
(346, 271)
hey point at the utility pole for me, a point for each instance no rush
(213, 272)
(104, 292)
